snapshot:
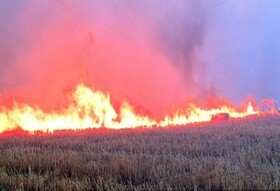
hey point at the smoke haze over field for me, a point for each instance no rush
(152, 53)
(242, 48)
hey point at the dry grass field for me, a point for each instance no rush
(231, 155)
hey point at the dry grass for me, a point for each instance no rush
(234, 155)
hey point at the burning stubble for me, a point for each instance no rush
(148, 54)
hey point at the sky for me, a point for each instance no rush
(152, 53)
(244, 41)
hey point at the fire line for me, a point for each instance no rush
(93, 109)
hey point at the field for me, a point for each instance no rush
(231, 155)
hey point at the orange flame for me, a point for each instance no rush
(93, 109)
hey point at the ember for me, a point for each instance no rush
(220, 117)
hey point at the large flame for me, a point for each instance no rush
(93, 109)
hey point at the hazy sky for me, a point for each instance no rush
(141, 49)
(243, 46)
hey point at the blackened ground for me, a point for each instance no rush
(231, 155)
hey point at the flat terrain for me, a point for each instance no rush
(226, 155)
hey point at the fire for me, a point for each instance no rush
(93, 109)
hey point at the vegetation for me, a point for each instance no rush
(231, 155)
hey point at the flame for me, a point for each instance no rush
(93, 109)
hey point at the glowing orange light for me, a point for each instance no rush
(93, 109)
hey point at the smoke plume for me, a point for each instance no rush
(152, 53)
(142, 52)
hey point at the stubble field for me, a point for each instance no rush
(231, 155)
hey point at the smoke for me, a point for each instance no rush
(152, 53)
(242, 49)
(140, 51)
